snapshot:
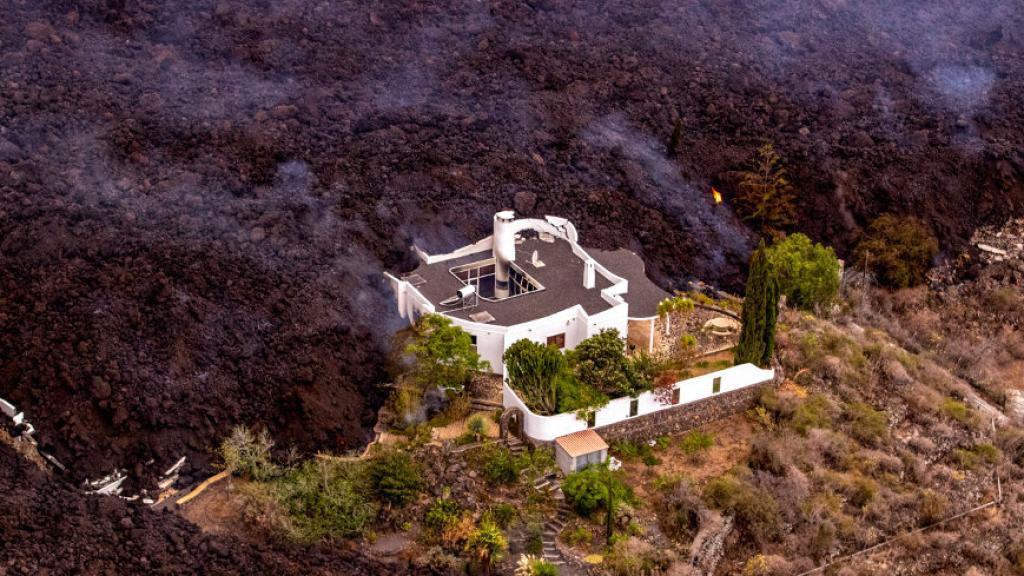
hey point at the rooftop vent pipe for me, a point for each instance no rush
(504, 250)
(588, 274)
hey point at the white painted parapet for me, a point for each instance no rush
(547, 428)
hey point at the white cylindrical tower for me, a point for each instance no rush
(504, 250)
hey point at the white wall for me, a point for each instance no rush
(547, 428)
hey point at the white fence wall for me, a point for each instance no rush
(547, 428)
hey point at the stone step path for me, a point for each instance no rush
(554, 525)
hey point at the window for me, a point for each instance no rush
(716, 386)
(634, 407)
(472, 338)
(585, 460)
(558, 340)
(675, 395)
(591, 419)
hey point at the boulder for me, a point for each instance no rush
(525, 202)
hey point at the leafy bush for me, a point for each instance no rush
(476, 426)
(867, 424)
(486, 545)
(815, 412)
(756, 511)
(395, 477)
(957, 410)
(498, 465)
(601, 362)
(587, 490)
(808, 273)
(248, 454)
(974, 457)
(576, 536)
(503, 514)
(897, 249)
(696, 441)
(445, 354)
(324, 500)
(535, 538)
(442, 514)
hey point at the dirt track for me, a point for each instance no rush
(198, 198)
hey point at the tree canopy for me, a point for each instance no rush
(898, 250)
(765, 194)
(537, 372)
(760, 311)
(445, 354)
(808, 273)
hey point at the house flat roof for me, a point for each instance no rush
(582, 442)
(643, 296)
(561, 276)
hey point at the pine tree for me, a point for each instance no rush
(760, 311)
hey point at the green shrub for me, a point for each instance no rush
(442, 514)
(756, 511)
(867, 424)
(395, 477)
(973, 458)
(503, 514)
(576, 536)
(445, 354)
(587, 490)
(814, 412)
(957, 410)
(696, 441)
(897, 249)
(324, 501)
(248, 454)
(486, 545)
(476, 426)
(497, 464)
(808, 273)
(535, 538)
(601, 362)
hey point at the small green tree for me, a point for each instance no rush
(395, 478)
(765, 195)
(536, 371)
(808, 273)
(587, 490)
(898, 250)
(324, 501)
(760, 311)
(445, 355)
(601, 362)
(487, 545)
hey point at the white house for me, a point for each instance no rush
(531, 279)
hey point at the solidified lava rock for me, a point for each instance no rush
(197, 199)
(48, 527)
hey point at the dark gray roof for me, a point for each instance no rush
(562, 279)
(643, 295)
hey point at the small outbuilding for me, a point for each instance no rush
(580, 449)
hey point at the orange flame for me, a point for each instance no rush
(716, 195)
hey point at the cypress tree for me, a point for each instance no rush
(760, 311)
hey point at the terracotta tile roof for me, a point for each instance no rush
(582, 442)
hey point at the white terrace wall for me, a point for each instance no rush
(693, 390)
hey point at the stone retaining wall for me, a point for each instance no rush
(681, 418)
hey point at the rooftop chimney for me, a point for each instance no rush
(504, 250)
(588, 274)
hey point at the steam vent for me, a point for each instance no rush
(531, 279)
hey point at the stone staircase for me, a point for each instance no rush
(556, 523)
(515, 445)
